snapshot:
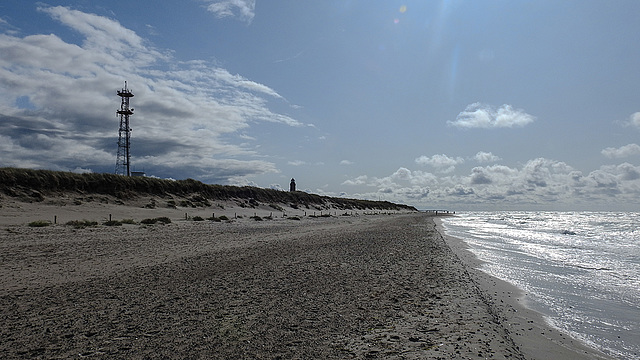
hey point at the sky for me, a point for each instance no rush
(443, 104)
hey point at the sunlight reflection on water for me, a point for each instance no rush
(580, 269)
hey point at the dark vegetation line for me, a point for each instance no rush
(33, 184)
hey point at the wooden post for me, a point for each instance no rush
(55, 219)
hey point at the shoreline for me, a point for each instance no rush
(535, 337)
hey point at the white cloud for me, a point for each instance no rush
(8, 28)
(296, 163)
(246, 137)
(441, 162)
(478, 115)
(241, 82)
(483, 157)
(276, 187)
(188, 115)
(459, 190)
(624, 151)
(242, 9)
(403, 185)
(346, 162)
(634, 119)
(402, 174)
(360, 180)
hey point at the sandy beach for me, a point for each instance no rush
(339, 287)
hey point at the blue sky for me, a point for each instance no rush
(451, 104)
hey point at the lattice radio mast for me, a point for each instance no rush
(123, 160)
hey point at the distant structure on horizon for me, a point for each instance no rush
(292, 185)
(123, 160)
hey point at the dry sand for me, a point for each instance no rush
(340, 287)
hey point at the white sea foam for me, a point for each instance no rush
(580, 269)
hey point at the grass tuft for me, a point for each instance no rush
(81, 224)
(163, 220)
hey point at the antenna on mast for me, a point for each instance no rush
(123, 160)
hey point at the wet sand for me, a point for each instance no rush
(340, 287)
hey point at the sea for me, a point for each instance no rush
(581, 270)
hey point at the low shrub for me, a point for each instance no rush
(256, 218)
(40, 223)
(223, 218)
(163, 220)
(128, 221)
(112, 223)
(197, 218)
(81, 224)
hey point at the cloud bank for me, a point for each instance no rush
(538, 183)
(58, 102)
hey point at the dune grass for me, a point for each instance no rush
(31, 185)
